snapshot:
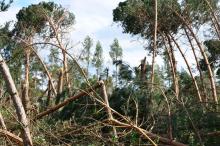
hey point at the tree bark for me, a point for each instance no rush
(48, 94)
(154, 47)
(143, 69)
(60, 82)
(108, 110)
(17, 102)
(25, 93)
(12, 137)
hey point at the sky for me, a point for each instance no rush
(94, 18)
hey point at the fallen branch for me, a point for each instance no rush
(11, 136)
(70, 99)
(146, 134)
(108, 110)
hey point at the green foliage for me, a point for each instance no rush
(87, 45)
(198, 12)
(84, 121)
(213, 48)
(116, 51)
(137, 16)
(98, 57)
(125, 72)
(4, 6)
(33, 19)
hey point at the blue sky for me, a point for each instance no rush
(94, 18)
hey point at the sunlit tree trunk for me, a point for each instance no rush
(108, 110)
(25, 93)
(17, 103)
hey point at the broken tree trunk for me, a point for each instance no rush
(22, 117)
(108, 110)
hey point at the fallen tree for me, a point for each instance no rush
(70, 99)
(22, 117)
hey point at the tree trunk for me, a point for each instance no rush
(143, 69)
(189, 69)
(65, 68)
(173, 64)
(60, 82)
(204, 98)
(48, 94)
(12, 137)
(46, 70)
(154, 48)
(17, 103)
(108, 110)
(63, 49)
(202, 50)
(25, 93)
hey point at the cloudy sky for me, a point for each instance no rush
(94, 18)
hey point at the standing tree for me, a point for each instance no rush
(116, 55)
(97, 60)
(29, 23)
(33, 21)
(87, 45)
(137, 17)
